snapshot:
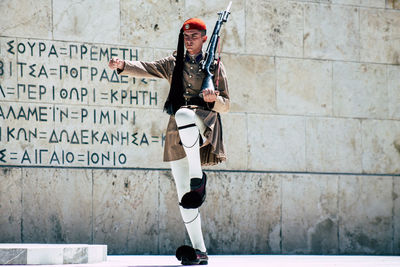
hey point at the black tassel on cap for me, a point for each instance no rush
(175, 97)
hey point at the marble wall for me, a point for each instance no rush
(136, 212)
(312, 137)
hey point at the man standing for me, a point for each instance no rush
(194, 131)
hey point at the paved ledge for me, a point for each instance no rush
(251, 261)
(51, 254)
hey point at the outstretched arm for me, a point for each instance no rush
(162, 68)
(116, 63)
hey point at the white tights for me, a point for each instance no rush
(189, 167)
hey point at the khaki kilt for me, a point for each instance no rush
(212, 152)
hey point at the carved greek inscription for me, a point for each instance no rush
(60, 105)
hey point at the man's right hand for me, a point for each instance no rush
(116, 63)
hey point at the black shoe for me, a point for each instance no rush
(190, 256)
(197, 194)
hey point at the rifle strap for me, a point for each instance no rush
(218, 62)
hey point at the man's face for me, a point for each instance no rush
(193, 41)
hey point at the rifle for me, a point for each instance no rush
(208, 63)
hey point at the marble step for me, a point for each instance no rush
(52, 253)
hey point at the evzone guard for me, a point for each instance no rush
(198, 94)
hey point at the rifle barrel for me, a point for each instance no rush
(229, 6)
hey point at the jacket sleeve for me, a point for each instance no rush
(162, 68)
(222, 103)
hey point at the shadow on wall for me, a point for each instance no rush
(397, 144)
(393, 4)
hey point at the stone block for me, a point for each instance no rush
(125, 211)
(86, 21)
(57, 207)
(360, 90)
(161, 53)
(8, 69)
(26, 18)
(366, 215)
(331, 32)
(172, 231)
(304, 87)
(254, 89)
(379, 140)
(226, 230)
(118, 143)
(230, 226)
(151, 24)
(394, 91)
(97, 253)
(309, 224)
(74, 73)
(13, 256)
(75, 255)
(318, 1)
(88, 136)
(24, 133)
(76, 124)
(276, 143)
(274, 28)
(51, 254)
(362, 3)
(10, 205)
(235, 141)
(333, 145)
(48, 71)
(132, 92)
(378, 35)
(395, 4)
(233, 32)
(396, 215)
(150, 127)
(161, 86)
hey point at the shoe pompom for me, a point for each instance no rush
(186, 252)
(191, 200)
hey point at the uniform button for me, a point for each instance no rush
(193, 61)
(189, 85)
(190, 76)
(191, 68)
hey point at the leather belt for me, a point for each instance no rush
(195, 101)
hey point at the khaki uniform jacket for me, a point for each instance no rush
(212, 151)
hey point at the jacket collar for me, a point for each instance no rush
(197, 57)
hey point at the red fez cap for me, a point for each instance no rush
(194, 24)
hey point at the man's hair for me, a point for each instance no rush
(175, 97)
